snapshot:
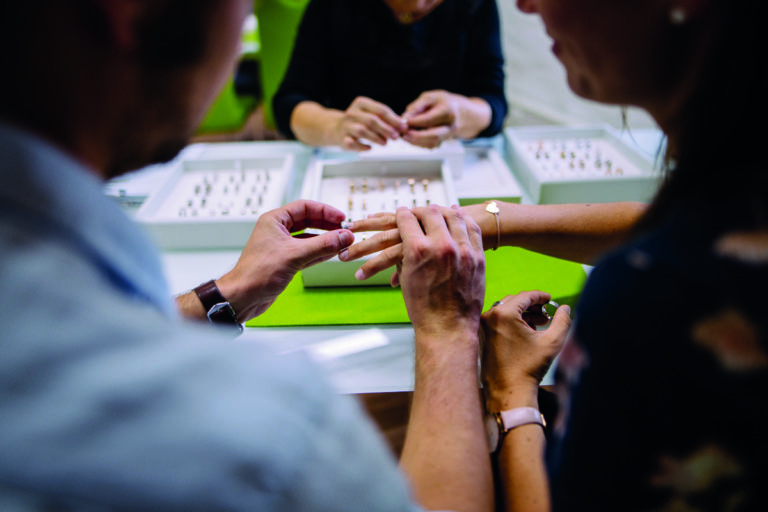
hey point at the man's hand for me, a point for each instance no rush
(272, 257)
(442, 273)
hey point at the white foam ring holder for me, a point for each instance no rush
(367, 185)
(212, 200)
(558, 165)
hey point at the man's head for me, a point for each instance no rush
(118, 83)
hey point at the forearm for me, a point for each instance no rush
(314, 124)
(190, 307)
(474, 117)
(522, 470)
(445, 452)
(576, 232)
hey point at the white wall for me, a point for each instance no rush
(536, 87)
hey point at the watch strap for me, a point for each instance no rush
(209, 295)
(512, 418)
(218, 309)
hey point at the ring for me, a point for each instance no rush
(496, 303)
(551, 303)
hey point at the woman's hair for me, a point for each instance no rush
(717, 152)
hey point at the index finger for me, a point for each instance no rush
(305, 213)
(524, 300)
(385, 113)
(430, 118)
(408, 225)
(378, 222)
(420, 104)
(428, 137)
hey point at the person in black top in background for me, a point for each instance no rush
(369, 71)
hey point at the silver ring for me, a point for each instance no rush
(544, 308)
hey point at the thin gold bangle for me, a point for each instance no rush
(493, 208)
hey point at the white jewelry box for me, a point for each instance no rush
(216, 192)
(575, 165)
(363, 186)
(486, 176)
(450, 151)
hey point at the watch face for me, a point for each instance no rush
(223, 314)
(492, 432)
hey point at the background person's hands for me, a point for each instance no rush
(367, 120)
(516, 356)
(272, 256)
(432, 118)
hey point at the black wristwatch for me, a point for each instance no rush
(218, 309)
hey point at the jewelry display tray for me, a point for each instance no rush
(214, 194)
(365, 186)
(558, 165)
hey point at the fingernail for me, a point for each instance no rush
(360, 275)
(567, 309)
(346, 238)
(343, 255)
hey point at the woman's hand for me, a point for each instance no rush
(388, 241)
(442, 273)
(367, 120)
(515, 355)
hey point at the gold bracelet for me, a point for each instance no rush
(493, 208)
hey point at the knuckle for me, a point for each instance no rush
(418, 250)
(446, 251)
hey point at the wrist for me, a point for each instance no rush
(525, 394)
(447, 345)
(219, 310)
(442, 336)
(486, 222)
(475, 115)
(334, 135)
(230, 287)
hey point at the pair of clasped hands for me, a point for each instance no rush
(440, 266)
(426, 122)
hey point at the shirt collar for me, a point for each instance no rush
(48, 184)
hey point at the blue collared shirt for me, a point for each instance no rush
(109, 400)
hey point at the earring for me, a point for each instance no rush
(678, 16)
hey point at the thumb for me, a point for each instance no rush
(322, 247)
(418, 106)
(561, 321)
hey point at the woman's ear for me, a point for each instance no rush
(682, 11)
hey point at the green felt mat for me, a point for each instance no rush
(508, 270)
